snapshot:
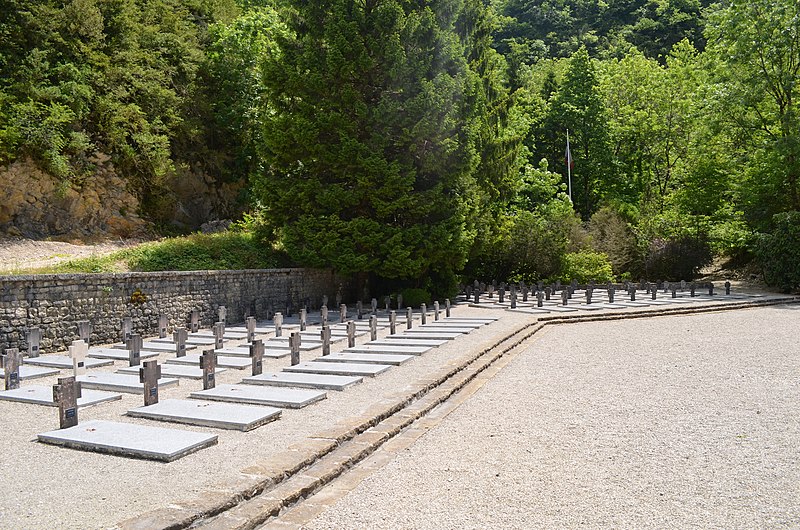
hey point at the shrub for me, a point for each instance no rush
(612, 236)
(415, 297)
(676, 259)
(585, 266)
(778, 252)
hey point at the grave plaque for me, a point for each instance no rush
(409, 317)
(435, 310)
(351, 334)
(78, 350)
(257, 355)
(374, 306)
(359, 310)
(194, 321)
(373, 327)
(179, 336)
(447, 307)
(325, 333)
(342, 313)
(540, 296)
(134, 345)
(163, 324)
(84, 330)
(34, 338)
(323, 311)
(727, 287)
(219, 335)
(66, 394)
(11, 363)
(222, 314)
(423, 309)
(564, 297)
(303, 319)
(392, 322)
(250, 325)
(208, 363)
(127, 328)
(294, 345)
(149, 374)
(278, 319)
(710, 288)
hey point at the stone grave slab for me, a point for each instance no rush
(356, 369)
(239, 363)
(117, 354)
(380, 349)
(283, 342)
(628, 303)
(325, 382)
(64, 362)
(228, 335)
(485, 320)
(393, 340)
(32, 372)
(258, 330)
(429, 334)
(127, 439)
(293, 398)
(590, 307)
(160, 347)
(366, 358)
(615, 305)
(532, 310)
(244, 351)
(172, 370)
(120, 382)
(454, 328)
(561, 309)
(43, 395)
(208, 414)
(314, 336)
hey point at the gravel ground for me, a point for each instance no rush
(16, 253)
(670, 422)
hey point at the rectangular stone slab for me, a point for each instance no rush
(65, 361)
(435, 335)
(442, 325)
(244, 351)
(562, 308)
(367, 358)
(482, 320)
(240, 363)
(117, 355)
(172, 370)
(31, 372)
(120, 382)
(163, 347)
(439, 329)
(208, 414)
(532, 310)
(305, 344)
(628, 303)
(127, 439)
(388, 349)
(314, 336)
(590, 307)
(43, 395)
(369, 370)
(259, 330)
(228, 335)
(293, 398)
(326, 382)
(393, 340)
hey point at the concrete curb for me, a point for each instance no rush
(266, 488)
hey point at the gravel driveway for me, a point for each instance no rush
(671, 422)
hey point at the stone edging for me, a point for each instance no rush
(288, 477)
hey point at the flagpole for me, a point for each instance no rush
(569, 168)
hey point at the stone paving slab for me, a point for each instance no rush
(311, 336)
(433, 335)
(440, 329)
(293, 398)
(126, 439)
(65, 361)
(208, 414)
(532, 310)
(305, 344)
(120, 382)
(357, 369)
(161, 347)
(444, 325)
(43, 395)
(258, 330)
(394, 340)
(367, 358)
(378, 349)
(117, 355)
(32, 372)
(325, 382)
(244, 351)
(228, 335)
(240, 363)
(172, 370)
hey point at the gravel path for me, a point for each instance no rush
(667, 422)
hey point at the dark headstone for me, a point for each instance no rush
(257, 356)
(547, 292)
(179, 336)
(325, 334)
(392, 322)
(564, 296)
(435, 310)
(134, 345)
(447, 307)
(294, 345)
(501, 295)
(34, 338)
(149, 374)
(12, 360)
(692, 288)
(589, 292)
(727, 287)
(674, 289)
(513, 299)
(611, 291)
(524, 293)
(710, 288)
(540, 298)
(653, 293)
(208, 362)
(409, 316)
(632, 292)
(477, 297)
(423, 310)
(66, 394)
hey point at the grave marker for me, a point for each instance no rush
(222, 314)
(692, 288)
(78, 350)
(392, 322)
(294, 345)
(409, 316)
(540, 296)
(257, 355)
(524, 293)
(250, 325)
(339, 297)
(436, 310)
(611, 291)
(374, 305)
(219, 335)
(323, 311)
(513, 299)
(589, 296)
(149, 374)
(564, 297)
(208, 362)
(491, 290)
(710, 288)
(127, 328)
(547, 292)
(180, 336)
(399, 301)
(632, 292)
(66, 394)
(423, 309)
(674, 290)
(11, 363)
(351, 334)
(387, 302)
(84, 330)
(373, 327)
(359, 310)
(134, 345)
(727, 287)
(342, 313)
(653, 293)
(447, 307)
(477, 297)
(163, 324)
(278, 319)
(303, 319)
(194, 321)
(34, 338)
(325, 333)
(501, 295)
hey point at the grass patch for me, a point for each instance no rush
(222, 251)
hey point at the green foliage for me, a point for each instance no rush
(678, 258)
(415, 297)
(612, 236)
(778, 252)
(585, 266)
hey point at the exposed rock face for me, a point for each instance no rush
(37, 205)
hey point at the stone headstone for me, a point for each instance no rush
(34, 339)
(66, 394)
(447, 307)
(134, 346)
(250, 325)
(477, 297)
(342, 313)
(78, 350)
(524, 293)
(540, 297)
(339, 298)
(12, 361)
(359, 310)
(632, 292)
(222, 314)
(611, 291)
(325, 299)
(163, 324)
(387, 302)
(435, 310)
(727, 287)
(294, 346)
(219, 335)
(423, 309)
(208, 363)
(127, 328)
(323, 312)
(194, 321)
(179, 336)
(513, 298)
(84, 330)
(325, 334)
(692, 288)
(149, 374)
(674, 290)
(351, 334)
(257, 356)
(564, 296)
(399, 301)
(373, 327)
(278, 320)
(374, 306)
(653, 293)
(409, 317)
(547, 292)
(501, 295)
(392, 322)
(710, 288)
(491, 291)
(589, 296)
(303, 319)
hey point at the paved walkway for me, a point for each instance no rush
(669, 422)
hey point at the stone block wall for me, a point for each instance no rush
(56, 302)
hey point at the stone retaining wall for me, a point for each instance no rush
(56, 302)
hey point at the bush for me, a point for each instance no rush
(612, 236)
(676, 259)
(778, 252)
(415, 297)
(585, 266)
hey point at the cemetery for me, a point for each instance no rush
(213, 409)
